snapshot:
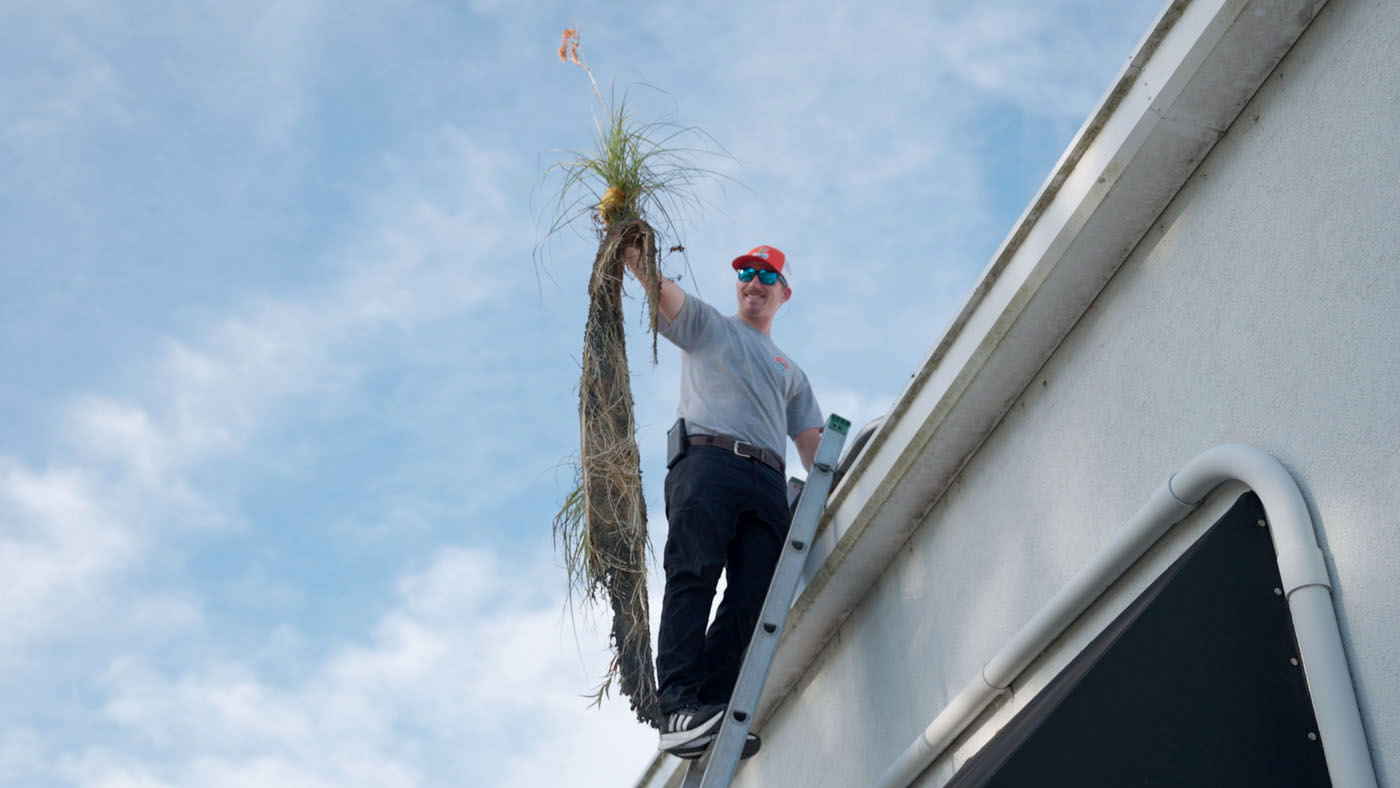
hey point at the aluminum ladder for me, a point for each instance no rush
(716, 768)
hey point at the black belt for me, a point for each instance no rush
(740, 448)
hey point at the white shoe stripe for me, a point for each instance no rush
(676, 736)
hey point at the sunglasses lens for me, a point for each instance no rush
(766, 277)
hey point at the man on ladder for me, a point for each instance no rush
(726, 501)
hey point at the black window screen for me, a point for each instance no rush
(1191, 686)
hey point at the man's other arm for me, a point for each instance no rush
(672, 296)
(807, 441)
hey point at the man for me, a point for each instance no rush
(726, 494)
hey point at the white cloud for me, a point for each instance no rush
(1033, 54)
(76, 75)
(468, 679)
(469, 661)
(60, 541)
(125, 463)
(71, 85)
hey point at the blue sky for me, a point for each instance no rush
(288, 390)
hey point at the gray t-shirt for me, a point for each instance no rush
(735, 381)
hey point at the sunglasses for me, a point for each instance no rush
(766, 277)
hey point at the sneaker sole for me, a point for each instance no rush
(694, 749)
(751, 747)
(670, 742)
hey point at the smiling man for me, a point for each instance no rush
(741, 398)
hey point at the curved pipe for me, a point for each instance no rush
(1306, 582)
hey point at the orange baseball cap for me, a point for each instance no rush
(761, 256)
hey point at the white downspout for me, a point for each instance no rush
(1305, 581)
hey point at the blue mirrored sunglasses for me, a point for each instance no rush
(764, 276)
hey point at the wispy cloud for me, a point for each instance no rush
(252, 62)
(59, 540)
(275, 43)
(468, 679)
(123, 468)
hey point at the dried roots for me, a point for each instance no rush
(614, 539)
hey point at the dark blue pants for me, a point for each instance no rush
(723, 512)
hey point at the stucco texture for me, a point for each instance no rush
(1263, 307)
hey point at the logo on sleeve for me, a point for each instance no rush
(782, 364)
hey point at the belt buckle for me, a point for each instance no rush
(738, 453)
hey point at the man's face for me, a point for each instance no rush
(759, 302)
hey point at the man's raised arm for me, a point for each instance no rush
(672, 296)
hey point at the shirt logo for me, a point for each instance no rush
(782, 363)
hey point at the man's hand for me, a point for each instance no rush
(672, 296)
(632, 258)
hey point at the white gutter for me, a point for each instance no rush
(1305, 582)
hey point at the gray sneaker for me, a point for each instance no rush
(685, 727)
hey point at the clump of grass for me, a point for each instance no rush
(636, 171)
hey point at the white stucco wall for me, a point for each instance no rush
(1263, 308)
